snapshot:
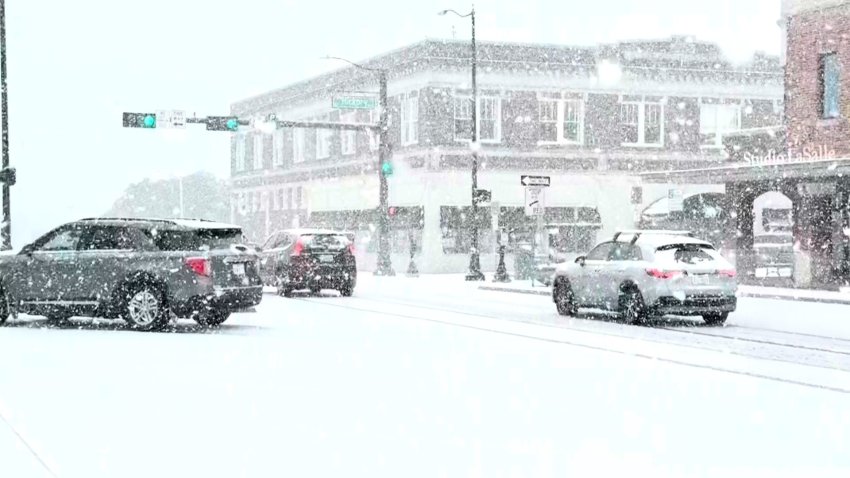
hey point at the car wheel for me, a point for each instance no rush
(716, 318)
(347, 289)
(564, 299)
(213, 318)
(632, 308)
(145, 307)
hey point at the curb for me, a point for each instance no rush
(750, 295)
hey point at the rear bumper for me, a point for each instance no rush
(695, 305)
(225, 298)
(322, 277)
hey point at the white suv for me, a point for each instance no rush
(649, 273)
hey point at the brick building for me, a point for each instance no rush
(589, 117)
(808, 158)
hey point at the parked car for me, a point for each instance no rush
(643, 274)
(773, 258)
(314, 259)
(139, 270)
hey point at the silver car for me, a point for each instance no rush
(649, 273)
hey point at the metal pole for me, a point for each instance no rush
(180, 184)
(385, 267)
(6, 229)
(474, 257)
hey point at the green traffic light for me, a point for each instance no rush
(149, 121)
(232, 124)
(387, 169)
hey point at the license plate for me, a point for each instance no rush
(239, 269)
(326, 258)
(700, 280)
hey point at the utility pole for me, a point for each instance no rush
(385, 267)
(6, 229)
(474, 273)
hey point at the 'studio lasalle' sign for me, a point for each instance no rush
(808, 153)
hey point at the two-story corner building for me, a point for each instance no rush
(807, 158)
(588, 117)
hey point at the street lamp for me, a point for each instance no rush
(6, 227)
(385, 267)
(474, 273)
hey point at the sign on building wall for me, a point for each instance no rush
(675, 200)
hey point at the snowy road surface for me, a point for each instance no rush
(430, 377)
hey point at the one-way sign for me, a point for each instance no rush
(534, 180)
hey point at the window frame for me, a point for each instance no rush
(258, 151)
(561, 101)
(497, 108)
(642, 104)
(409, 122)
(825, 60)
(718, 135)
(348, 137)
(240, 153)
(277, 148)
(299, 145)
(323, 136)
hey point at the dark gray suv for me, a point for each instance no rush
(139, 270)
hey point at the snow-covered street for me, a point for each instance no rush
(430, 377)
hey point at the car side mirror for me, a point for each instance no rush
(580, 260)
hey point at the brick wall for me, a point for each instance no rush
(810, 35)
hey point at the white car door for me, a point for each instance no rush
(589, 285)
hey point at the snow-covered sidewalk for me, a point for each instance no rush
(821, 296)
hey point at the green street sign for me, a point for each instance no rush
(354, 103)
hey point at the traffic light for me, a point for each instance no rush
(387, 168)
(222, 123)
(139, 120)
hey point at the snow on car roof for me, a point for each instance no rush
(203, 224)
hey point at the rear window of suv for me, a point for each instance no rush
(325, 241)
(686, 254)
(194, 239)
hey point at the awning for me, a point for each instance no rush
(748, 172)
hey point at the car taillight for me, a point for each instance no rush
(351, 249)
(660, 274)
(298, 248)
(727, 273)
(200, 266)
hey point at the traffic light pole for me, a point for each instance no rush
(6, 229)
(385, 267)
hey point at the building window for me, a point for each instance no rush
(561, 120)
(243, 203)
(830, 85)
(348, 140)
(264, 201)
(374, 137)
(642, 121)
(277, 199)
(240, 152)
(298, 140)
(489, 119)
(323, 143)
(410, 118)
(258, 151)
(717, 120)
(456, 230)
(277, 150)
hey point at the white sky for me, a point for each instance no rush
(74, 66)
